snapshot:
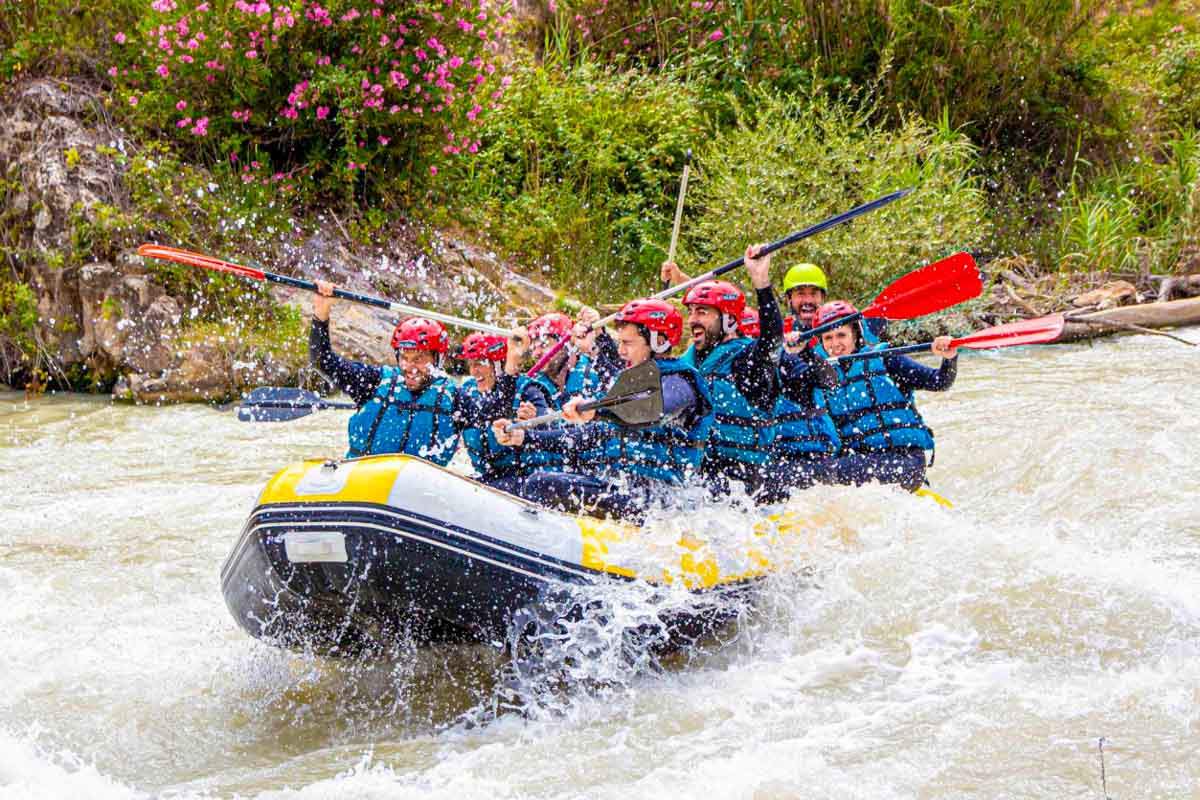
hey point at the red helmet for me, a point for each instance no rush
(748, 324)
(554, 324)
(483, 347)
(833, 310)
(658, 316)
(725, 297)
(416, 333)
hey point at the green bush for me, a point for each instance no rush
(799, 159)
(18, 317)
(62, 38)
(578, 175)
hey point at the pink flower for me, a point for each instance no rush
(251, 54)
(112, 72)
(322, 112)
(716, 35)
(432, 170)
(383, 141)
(133, 99)
(181, 105)
(119, 38)
(162, 70)
(183, 123)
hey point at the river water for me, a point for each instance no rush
(978, 652)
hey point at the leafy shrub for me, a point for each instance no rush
(63, 38)
(361, 92)
(1014, 70)
(578, 173)
(802, 158)
(18, 317)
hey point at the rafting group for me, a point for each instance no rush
(755, 399)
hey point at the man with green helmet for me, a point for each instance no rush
(805, 287)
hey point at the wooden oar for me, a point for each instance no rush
(845, 216)
(209, 262)
(687, 163)
(923, 291)
(635, 399)
(281, 403)
(1039, 330)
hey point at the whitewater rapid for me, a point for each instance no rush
(982, 651)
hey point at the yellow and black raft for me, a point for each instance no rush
(338, 557)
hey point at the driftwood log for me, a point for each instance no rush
(1146, 315)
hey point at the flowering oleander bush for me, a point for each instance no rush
(360, 93)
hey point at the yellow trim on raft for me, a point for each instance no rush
(690, 559)
(934, 496)
(367, 480)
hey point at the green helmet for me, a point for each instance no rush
(805, 275)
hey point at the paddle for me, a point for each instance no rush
(635, 399)
(923, 291)
(1039, 330)
(209, 262)
(687, 163)
(280, 404)
(834, 221)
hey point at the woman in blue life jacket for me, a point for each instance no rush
(623, 471)
(883, 436)
(492, 392)
(585, 367)
(407, 408)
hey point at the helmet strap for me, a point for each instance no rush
(729, 323)
(659, 345)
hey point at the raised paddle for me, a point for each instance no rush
(209, 262)
(845, 216)
(923, 291)
(1039, 330)
(687, 163)
(281, 403)
(635, 399)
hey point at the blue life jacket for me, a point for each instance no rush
(743, 432)
(666, 451)
(802, 431)
(583, 380)
(870, 411)
(489, 457)
(396, 421)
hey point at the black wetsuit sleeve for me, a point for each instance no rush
(756, 371)
(909, 375)
(353, 377)
(804, 372)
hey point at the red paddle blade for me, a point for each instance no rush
(938, 286)
(198, 260)
(1039, 330)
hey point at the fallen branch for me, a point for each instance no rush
(1140, 318)
(1129, 326)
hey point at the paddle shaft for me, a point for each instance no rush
(209, 262)
(533, 422)
(687, 164)
(845, 216)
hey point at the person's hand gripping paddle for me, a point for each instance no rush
(635, 399)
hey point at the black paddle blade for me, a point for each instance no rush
(636, 397)
(281, 404)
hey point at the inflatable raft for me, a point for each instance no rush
(341, 556)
